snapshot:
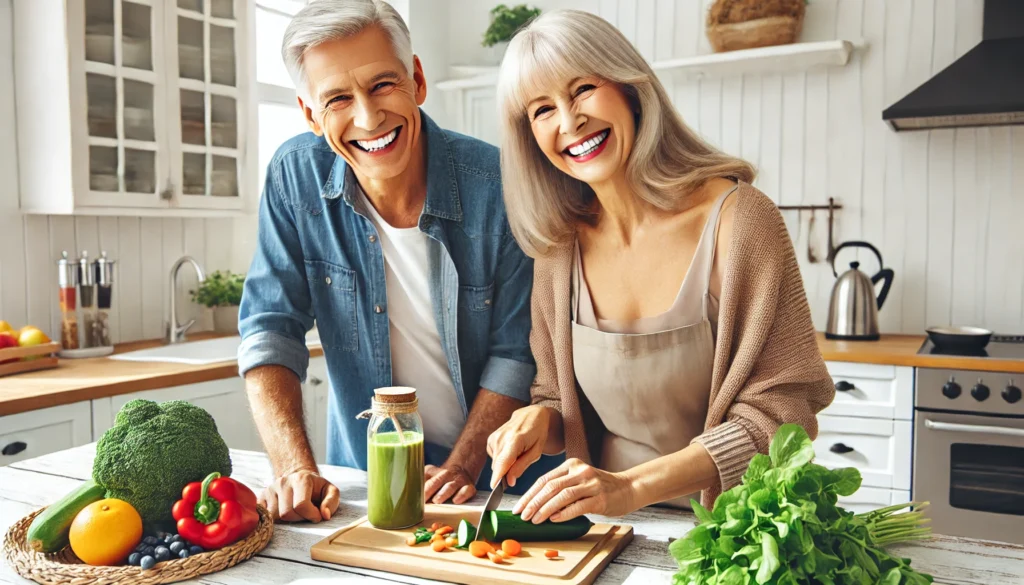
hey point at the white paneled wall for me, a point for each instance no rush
(144, 248)
(945, 207)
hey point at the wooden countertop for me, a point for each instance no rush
(75, 380)
(901, 350)
(33, 483)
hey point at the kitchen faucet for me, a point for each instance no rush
(176, 333)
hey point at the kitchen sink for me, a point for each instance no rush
(208, 351)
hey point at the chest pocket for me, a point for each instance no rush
(333, 291)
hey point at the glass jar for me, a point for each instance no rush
(394, 462)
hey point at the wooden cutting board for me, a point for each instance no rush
(579, 563)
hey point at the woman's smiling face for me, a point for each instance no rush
(585, 128)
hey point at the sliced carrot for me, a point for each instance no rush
(511, 547)
(444, 530)
(479, 549)
(411, 541)
(495, 558)
(439, 545)
(451, 542)
(551, 553)
(435, 526)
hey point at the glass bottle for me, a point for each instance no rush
(87, 300)
(67, 280)
(104, 291)
(394, 442)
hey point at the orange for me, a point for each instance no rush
(104, 533)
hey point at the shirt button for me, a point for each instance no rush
(328, 280)
(488, 302)
(373, 238)
(378, 309)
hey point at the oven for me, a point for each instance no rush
(969, 453)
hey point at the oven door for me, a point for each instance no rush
(971, 469)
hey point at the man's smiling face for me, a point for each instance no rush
(365, 103)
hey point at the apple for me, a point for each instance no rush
(30, 336)
(8, 339)
(5, 327)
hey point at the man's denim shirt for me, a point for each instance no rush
(319, 257)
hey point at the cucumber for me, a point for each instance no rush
(505, 525)
(49, 531)
(465, 534)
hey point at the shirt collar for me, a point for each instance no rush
(442, 188)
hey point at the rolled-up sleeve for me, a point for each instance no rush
(276, 310)
(510, 368)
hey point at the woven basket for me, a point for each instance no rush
(64, 567)
(760, 32)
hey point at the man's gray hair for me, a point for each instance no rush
(321, 21)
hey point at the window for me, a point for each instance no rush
(279, 117)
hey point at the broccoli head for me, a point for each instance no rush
(154, 450)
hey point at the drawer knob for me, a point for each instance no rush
(15, 448)
(841, 449)
(844, 386)
(314, 381)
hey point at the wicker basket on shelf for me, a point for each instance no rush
(745, 24)
(64, 567)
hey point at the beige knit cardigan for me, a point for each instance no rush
(767, 369)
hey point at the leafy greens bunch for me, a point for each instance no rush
(781, 526)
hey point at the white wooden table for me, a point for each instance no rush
(30, 484)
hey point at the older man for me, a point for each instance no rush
(391, 233)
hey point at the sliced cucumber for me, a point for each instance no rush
(505, 525)
(466, 533)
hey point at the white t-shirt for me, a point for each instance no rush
(417, 358)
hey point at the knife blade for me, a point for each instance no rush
(493, 501)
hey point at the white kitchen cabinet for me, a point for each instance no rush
(881, 449)
(872, 391)
(39, 432)
(135, 107)
(868, 498)
(225, 400)
(314, 404)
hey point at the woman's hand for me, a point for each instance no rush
(574, 489)
(518, 444)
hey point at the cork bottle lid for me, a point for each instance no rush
(395, 394)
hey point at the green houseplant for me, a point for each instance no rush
(505, 21)
(222, 292)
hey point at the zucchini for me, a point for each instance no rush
(505, 525)
(49, 531)
(465, 534)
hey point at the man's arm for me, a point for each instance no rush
(505, 382)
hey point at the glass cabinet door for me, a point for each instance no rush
(127, 150)
(206, 166)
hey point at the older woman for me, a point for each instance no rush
(670, 327)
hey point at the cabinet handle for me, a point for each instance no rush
(15, 448)
(844, 386)
(840, 449)
(314, 381)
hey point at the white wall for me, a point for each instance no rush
(144, 248)
(943, 206)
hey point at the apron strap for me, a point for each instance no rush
(575, 292)
(708, 250)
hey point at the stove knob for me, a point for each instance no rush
(1011, 393)
(951, 389)
(980, 391)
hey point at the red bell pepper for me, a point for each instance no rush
(215, 512)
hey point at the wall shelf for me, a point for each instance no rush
(777, 59)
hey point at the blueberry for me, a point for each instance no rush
(150, 540)
(147, 563)
(134, 558)
(150, 551)
(177, 547)
(177, 538)
(183, 554)
(162, 553)
(141, 547)
(168, 539)
(194, 550)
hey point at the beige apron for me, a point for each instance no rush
(650, 380)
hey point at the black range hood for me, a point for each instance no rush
(985, 87)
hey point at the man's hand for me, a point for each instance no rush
(448, 481)
(301, 496)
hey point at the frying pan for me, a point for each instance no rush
(959, 338)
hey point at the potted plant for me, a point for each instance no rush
(745, 24)
(222, 292)
(505, 21)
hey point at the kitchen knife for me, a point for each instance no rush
(493, 501)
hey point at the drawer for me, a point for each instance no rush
(48, 430)
(872, 391)
(879, 449)
(867, 499)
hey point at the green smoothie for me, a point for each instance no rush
(395, 480)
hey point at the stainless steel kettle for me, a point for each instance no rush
(853, 308)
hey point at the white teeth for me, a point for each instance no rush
(588, 146)
(380, 143)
